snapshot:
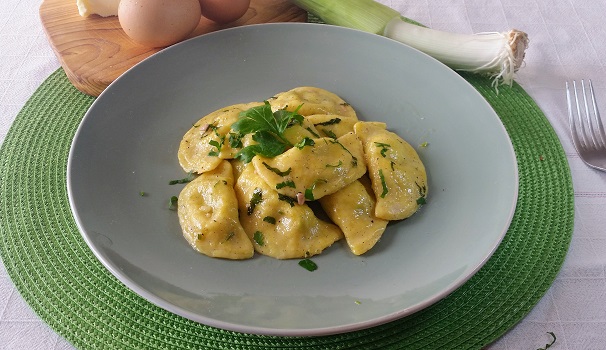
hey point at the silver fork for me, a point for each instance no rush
(586, 126)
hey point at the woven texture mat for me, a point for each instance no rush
(59, 277)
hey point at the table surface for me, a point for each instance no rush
(567, 38)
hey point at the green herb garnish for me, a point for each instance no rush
(382, 177)
(288, 183)
(258, 237)
(270, 219)
(329, 133)
(287, 199)
(308, 265)
(354, 160)
(267, 128)
(218, 145)
(306, 141)
(230, 236)
(422, 193)
(172, 204)
(384, 148)
(142, 194)
(312, 132)
(277, 171)
(235, 140)
(256, 198)
(190, 176)
(329, 122)
(309, 194)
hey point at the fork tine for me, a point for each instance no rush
(600, 134)
(582, 135)
(588, 125)
(571, 121)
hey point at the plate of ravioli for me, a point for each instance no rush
(292, 179)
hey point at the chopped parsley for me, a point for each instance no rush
(309, 194)
(384, 148)
(259, 239)
(329, 133)
(190, 176)
(172, 204)
(306, 141)
(383, 184)
(354, 160)
(329, 122)
(142, 194)
(270, 219)
(216, 144)
(277, 171)
(422, 193)
(287, 199)
(230, 235)
(256, 198)
(312, 132)
(235, 140)
(283, 184)
(308, 265)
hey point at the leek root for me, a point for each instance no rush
(499, 54)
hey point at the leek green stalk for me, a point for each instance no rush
(499, 54)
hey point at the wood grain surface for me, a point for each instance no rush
(94, 50)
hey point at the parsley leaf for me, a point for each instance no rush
(267, 146)
(306, 141)
(172, 204)
(308, 265)
(277, 171)
(267, 128)
(383, 184)
(190, 176)
(259, 238)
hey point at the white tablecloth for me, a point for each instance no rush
(567, 41)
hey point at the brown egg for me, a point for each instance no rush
(224, 11)
(158, 23)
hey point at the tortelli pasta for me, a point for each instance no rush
(258, 166)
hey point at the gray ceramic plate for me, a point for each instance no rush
(128, 140)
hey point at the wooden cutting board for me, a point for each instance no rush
(94, 50)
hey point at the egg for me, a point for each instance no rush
(158, 23)
(224, 11)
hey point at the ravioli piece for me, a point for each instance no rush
(398, 175)
(316, 170)
(206, 144)
(353, 209)
(312, 100)
(208, 214)
(279, 227)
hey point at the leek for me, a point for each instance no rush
(498, 54)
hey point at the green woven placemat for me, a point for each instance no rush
(59, 277)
